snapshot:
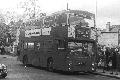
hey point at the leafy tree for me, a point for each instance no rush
(31, 8)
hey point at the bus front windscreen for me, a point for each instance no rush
(80, 48)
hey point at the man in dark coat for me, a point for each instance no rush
(114, 60)
(2, 50)
(107, 54)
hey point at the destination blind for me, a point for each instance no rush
(37, 32)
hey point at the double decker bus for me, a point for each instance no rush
(68, 46)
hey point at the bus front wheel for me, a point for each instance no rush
(25, 60)
(50, 65)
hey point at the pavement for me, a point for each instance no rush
(6, 56)
(107, 73)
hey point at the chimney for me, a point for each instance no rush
(108, 27)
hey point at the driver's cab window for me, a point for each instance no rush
(75, 46)
(90, 48)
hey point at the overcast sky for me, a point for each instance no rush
(107, 10)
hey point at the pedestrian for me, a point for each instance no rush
(2, 50)
(107, 54)
(18, 51)
(114, 61)
(103, 58)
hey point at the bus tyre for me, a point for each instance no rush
(25, 60)
(50, 65)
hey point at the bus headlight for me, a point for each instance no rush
(72, 50)
(70, 64)
(93, 64)
(67, 57)
(69, 68)
(93, 69)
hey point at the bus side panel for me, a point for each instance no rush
(60, 63)
(45, 51)
(29, 54)
(38, 55)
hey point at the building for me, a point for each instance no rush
(110, 36)
(109, 39)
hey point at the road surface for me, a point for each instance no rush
(17, 71)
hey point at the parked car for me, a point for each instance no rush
(3, 71)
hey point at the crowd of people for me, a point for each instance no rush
(109, 59)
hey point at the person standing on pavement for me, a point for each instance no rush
(107, 54)
(114, 61)
(104, 58)
(18, 51)
(2, 50)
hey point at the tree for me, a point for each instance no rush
(31, 8)
(2, 18)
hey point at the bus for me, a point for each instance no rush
(65, 46)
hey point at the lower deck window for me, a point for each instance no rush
(31, 45)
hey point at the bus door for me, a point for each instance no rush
(61, 52)
(21, 47)
(30, 52)
(38, 53)
(48, 51)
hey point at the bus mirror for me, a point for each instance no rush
(72, 50)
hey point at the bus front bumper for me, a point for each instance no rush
(80, 67)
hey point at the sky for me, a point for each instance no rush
(106, 10)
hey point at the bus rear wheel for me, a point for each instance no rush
(50, 65)
(25, 60)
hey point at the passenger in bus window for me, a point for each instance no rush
(38, 46)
